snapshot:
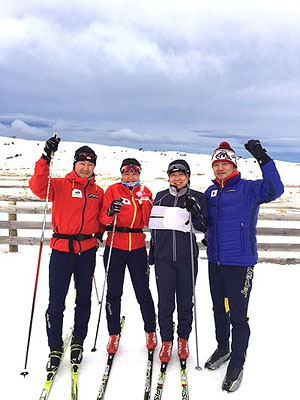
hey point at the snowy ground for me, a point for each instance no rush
(271, 368)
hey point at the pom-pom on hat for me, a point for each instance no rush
(224, 153)
(85, 153)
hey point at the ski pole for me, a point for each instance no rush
(105, 278)
(25, 372)
(198, 368)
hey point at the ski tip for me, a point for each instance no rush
(24, 373)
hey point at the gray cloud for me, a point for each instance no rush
(152, 75)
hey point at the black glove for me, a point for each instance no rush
(50, 147)
(255, 148)
(115, 207)
(99, 237)
(192, 206)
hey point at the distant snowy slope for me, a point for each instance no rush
(17, 157)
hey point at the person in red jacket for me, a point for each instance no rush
(132, 202)
(76, 203)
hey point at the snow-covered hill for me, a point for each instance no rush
(17, 157)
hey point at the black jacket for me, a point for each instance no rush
(172, 245)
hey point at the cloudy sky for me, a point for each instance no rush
(156, 74)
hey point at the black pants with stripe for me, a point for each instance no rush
(61, 268)
(136, 261)
(175, 287)
(230, 288)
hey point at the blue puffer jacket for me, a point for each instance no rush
(172, 245)
(232, 214)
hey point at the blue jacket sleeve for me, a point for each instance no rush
(270, 187)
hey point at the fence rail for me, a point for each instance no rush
(26, 203)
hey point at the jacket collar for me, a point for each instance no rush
(174, 192)
(73, 177)
(234, 177)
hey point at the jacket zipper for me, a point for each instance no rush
(174, 233)
(83, 210)
(132, 222)
(217, 226)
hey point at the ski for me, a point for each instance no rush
(148, 379)
(51, 375)
(74, 380)
(184, 381)
(160, 381)
(105, 377)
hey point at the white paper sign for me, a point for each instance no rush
(172, 218)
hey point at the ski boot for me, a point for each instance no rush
(113, 344)
(76, 353)
(183, 349)
(151, 340)
(53, 360)
(165, 352)
(233, 379)
(217, 359)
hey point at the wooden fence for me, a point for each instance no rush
(14, 205)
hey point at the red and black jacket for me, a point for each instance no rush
(76, 205)
(134, 215)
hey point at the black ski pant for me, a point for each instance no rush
(137, 263)
(62, 266)
(232, 284)
(175, 285)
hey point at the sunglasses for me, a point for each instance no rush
(177, 168)
(131, 168)
(85, 156)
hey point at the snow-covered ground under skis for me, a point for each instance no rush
(271, 368)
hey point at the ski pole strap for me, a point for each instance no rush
(109, 228)
(78, 238)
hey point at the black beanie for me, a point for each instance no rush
(179, 165)
(85, 153)
(130, 161)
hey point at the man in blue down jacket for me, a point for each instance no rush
(233, 205)
(171, 253)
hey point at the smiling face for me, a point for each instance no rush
(222, 170)
(84, 169)
(130, 177)
(178, 179)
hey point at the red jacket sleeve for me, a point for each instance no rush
(38, 183)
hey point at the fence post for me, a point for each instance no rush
(13, 248)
